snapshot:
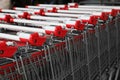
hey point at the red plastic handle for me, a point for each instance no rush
(59, 32)
(35, 39)
(7, 51)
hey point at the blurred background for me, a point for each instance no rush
(22, 3)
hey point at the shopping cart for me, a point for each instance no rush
(18, 69)
(92, 52)
(112, 32)
(118, 38)
(102, 35)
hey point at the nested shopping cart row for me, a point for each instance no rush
(65, 42)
